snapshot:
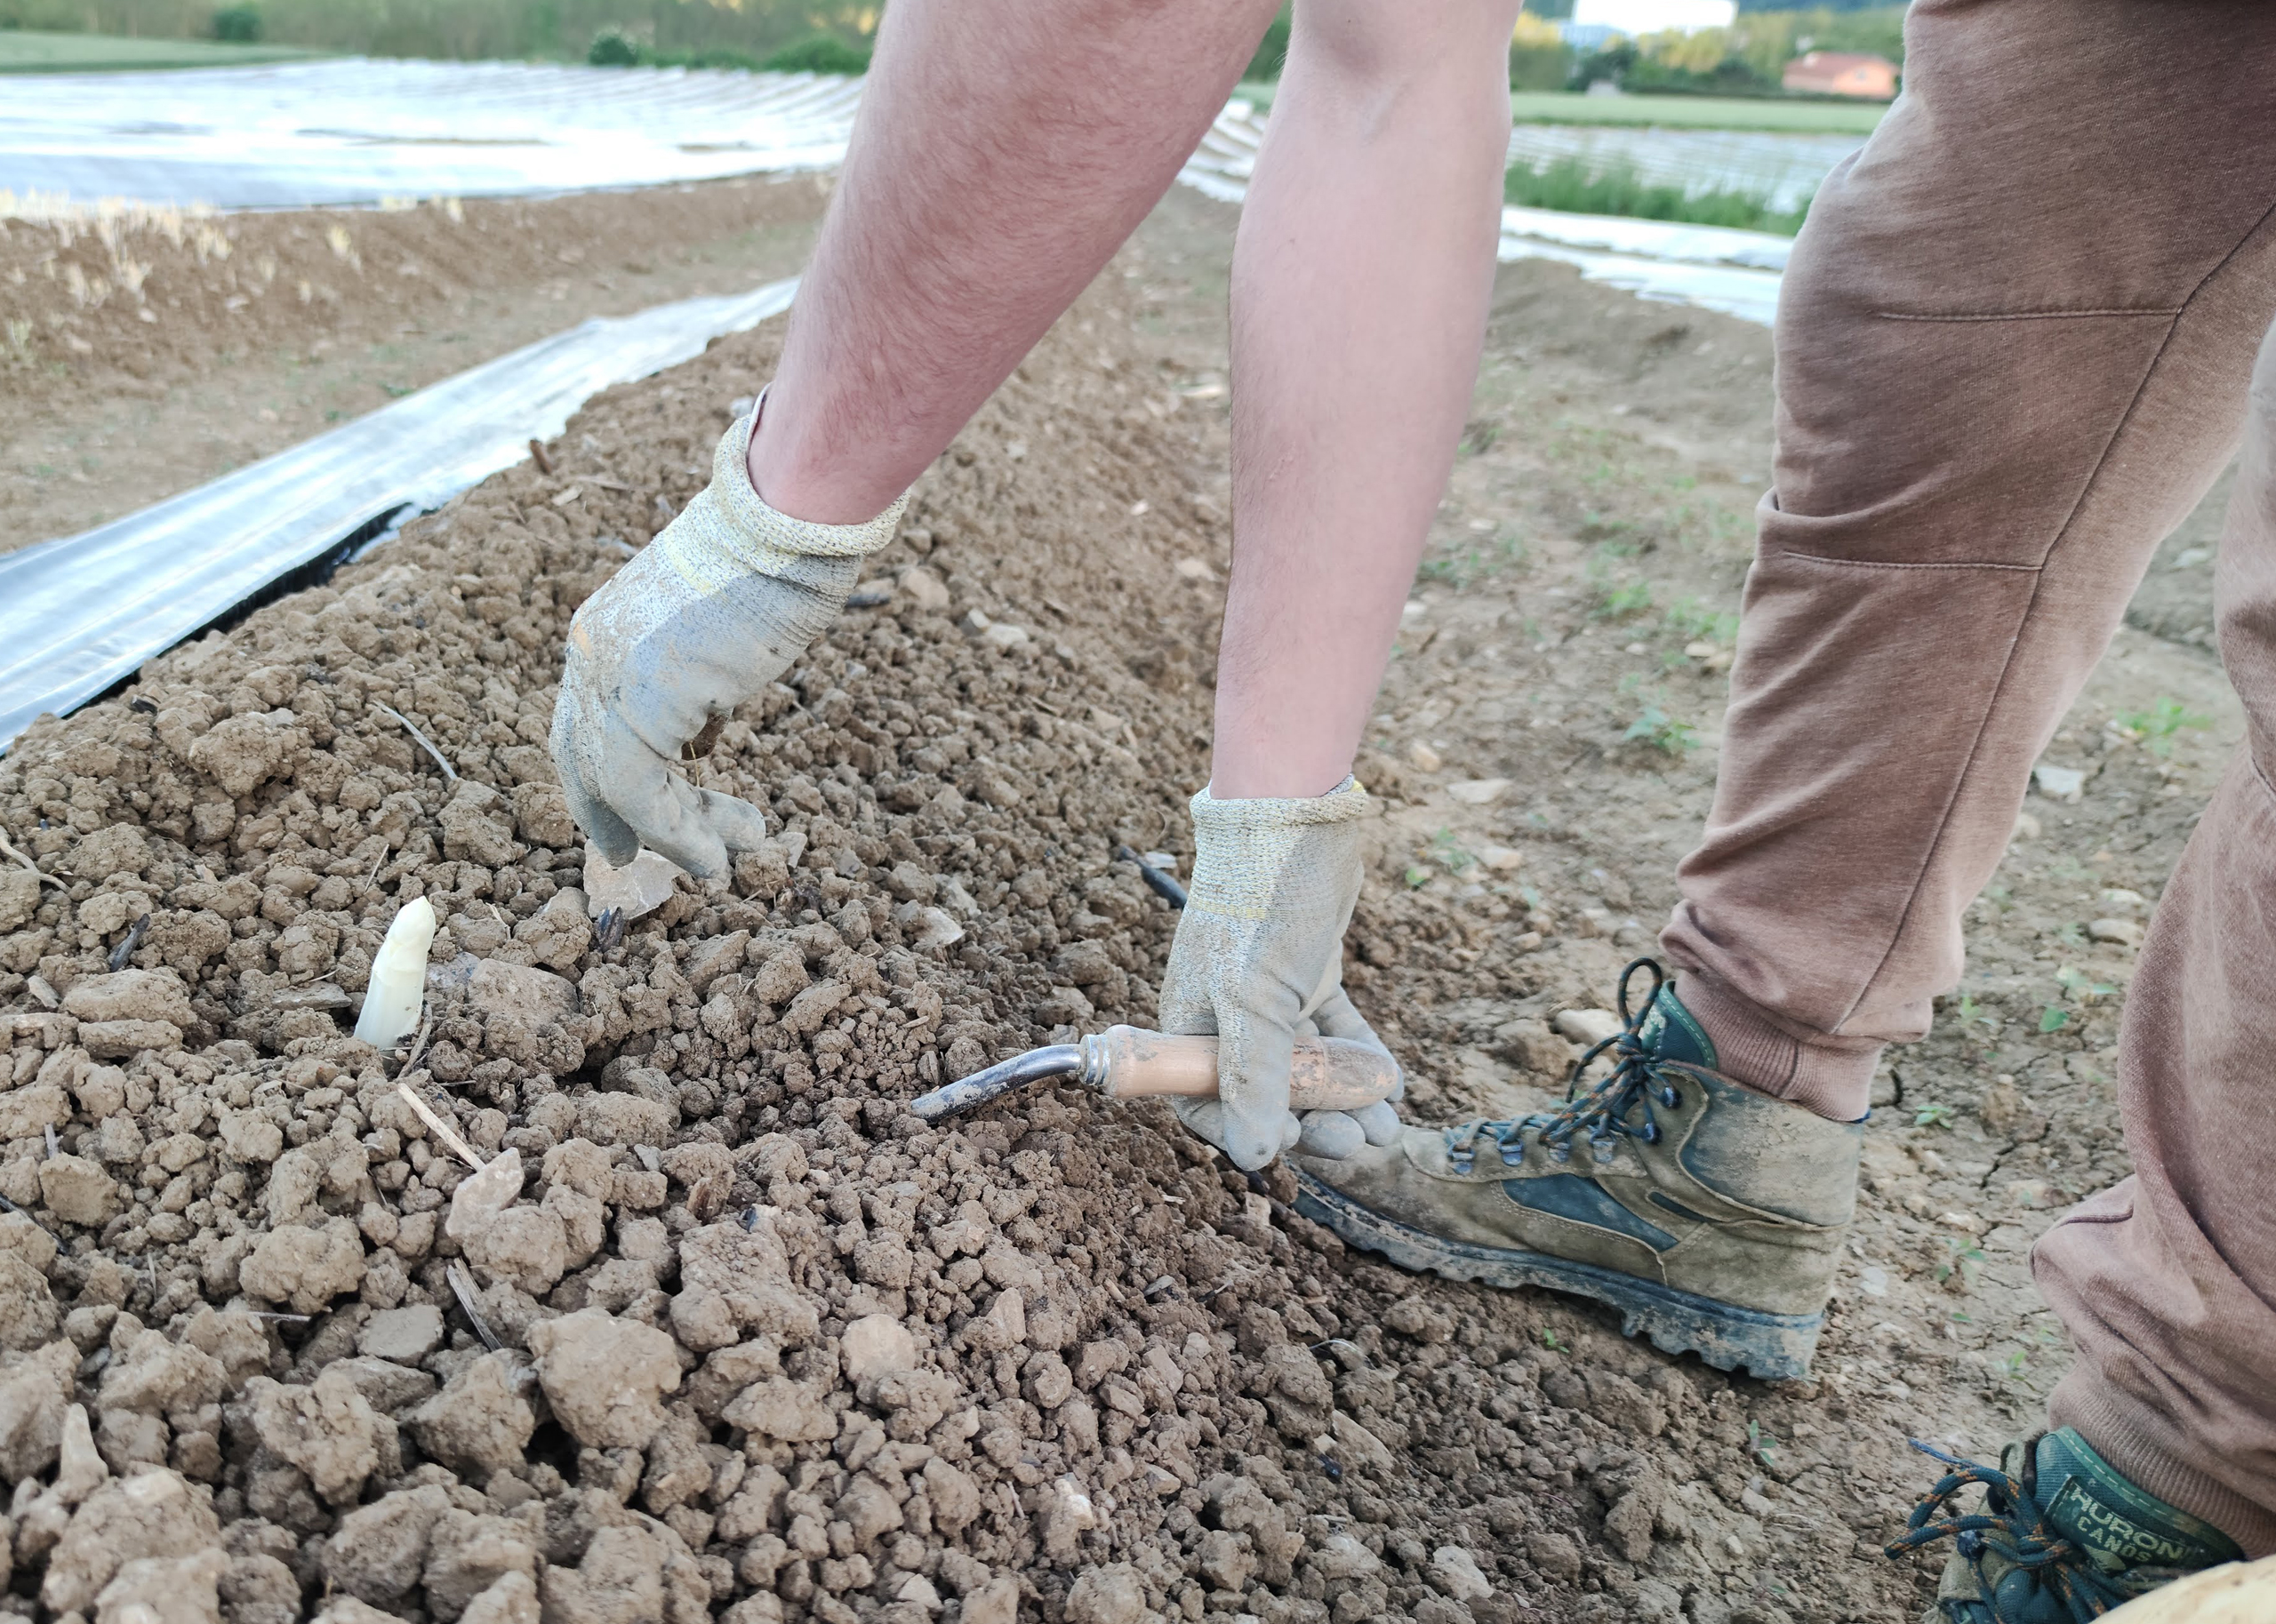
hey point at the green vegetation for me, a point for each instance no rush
(1747, 59)
(36, 51)
(1271, 52)
(1449, 854)
(1667, 734)
(1972, 1013)
(1694, 621)
(1620, 601)
(815, 53)
(1572, 185)
(2018, 1361)
(1932, 1117)
(1704, 72)
(2080, 988)
(1656, 725)
(1963, 1258)
(818, 53)
(613, 48)
(1539, 58)
(2157, 725)
(706, 32)
(1461, 563)
(1797, 117)
(1446, 854)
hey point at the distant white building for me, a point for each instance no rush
(1639, 16)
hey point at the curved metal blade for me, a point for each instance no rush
(1058, 1060)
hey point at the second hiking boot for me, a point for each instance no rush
(2060, 1537)
(1710, 1215)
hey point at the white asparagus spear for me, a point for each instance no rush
(399, 984)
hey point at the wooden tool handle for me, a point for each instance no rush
(1329, 1074)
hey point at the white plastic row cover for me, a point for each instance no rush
(79, 613)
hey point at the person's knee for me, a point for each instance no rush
(1389, 40)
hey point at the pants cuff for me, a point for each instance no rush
(2144, 1455)
(1832, 1076)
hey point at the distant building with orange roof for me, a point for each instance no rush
(1842, 73)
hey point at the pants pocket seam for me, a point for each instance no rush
(1890, 563)
(2161, 312)
(2075, 1219)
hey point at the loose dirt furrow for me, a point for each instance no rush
(145, 352)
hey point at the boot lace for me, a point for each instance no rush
(1620, 1102)
(2011, 1527)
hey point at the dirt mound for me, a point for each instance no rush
(767, 1344)
(247, 334)
(119, 296)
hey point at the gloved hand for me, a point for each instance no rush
(713, 610)
(1259, 960)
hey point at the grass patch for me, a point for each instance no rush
(1577, 188)
(1668, 735)
(1655, 725)
(1796, 118)
(713, 32)
(36, 50)
(2157, 725)
(820, 53)
(1692, 621)
(1632, 598)
(1459, 565)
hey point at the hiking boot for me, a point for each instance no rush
(1708, 1214)
(2061, 1539)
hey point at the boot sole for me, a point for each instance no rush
(1773, 1346)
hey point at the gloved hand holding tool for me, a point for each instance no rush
(1298, 857)
(1326, 1075)
(1258, 961)
(714, 609)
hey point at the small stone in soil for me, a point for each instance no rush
(1586, 1027)
(2060, 783)
(641, 886)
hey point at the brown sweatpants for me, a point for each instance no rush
(2015, 344)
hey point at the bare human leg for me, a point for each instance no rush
(1361, 279)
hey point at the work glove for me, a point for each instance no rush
(708, 614)
(1258, 960)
